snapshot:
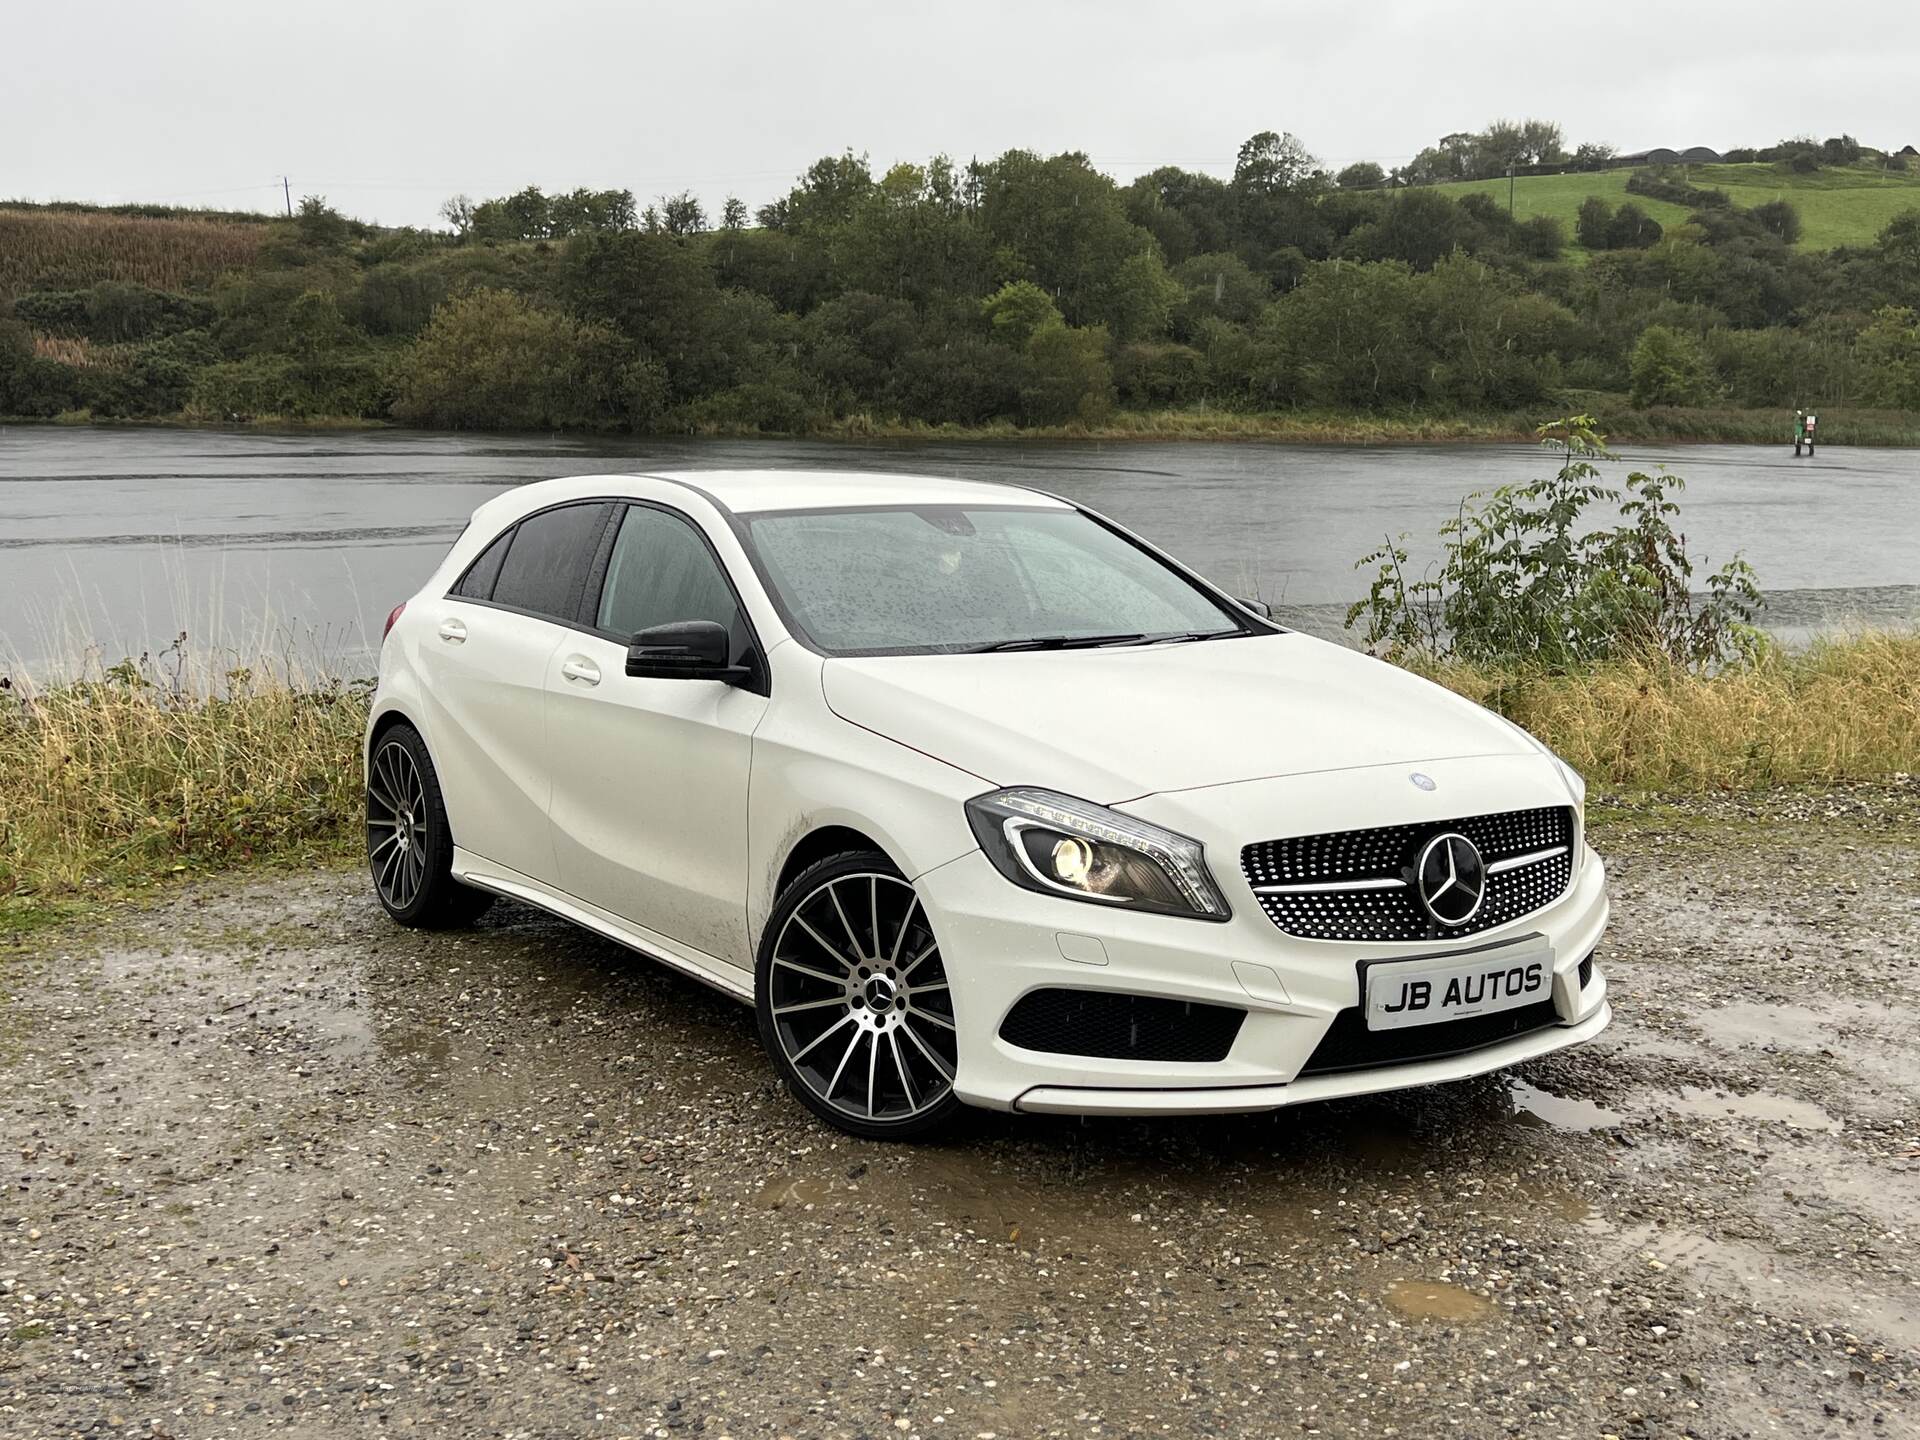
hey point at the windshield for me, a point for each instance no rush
(922, 579)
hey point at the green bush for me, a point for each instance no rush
(1156, 376)
(491, 361)
(352, 383)
(1068, 379)
(1520, 583)
(1669, 368)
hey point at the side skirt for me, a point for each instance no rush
(708, 969)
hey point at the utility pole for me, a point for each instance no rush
(286, 188)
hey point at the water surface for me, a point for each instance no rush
(123, 537)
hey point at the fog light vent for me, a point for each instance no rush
(1121, 1027)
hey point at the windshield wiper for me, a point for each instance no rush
(1184, 637)
(1055, 642)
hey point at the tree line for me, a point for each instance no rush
(1026, 288)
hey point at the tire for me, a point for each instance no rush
(409, 844)
(848, 952)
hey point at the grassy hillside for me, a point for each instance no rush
(1845, 206)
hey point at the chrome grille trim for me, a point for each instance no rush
(1381, 884)
(1514, 862)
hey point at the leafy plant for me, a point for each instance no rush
(1521, 582)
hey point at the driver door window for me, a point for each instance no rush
(661, 572)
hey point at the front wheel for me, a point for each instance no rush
(853, 1000)
(409, 844)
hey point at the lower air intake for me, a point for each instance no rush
(1121, 1027)
(1349, 1045)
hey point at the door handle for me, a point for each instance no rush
(454, 632)
(581, 669)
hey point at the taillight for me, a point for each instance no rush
(392, 615)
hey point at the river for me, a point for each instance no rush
(120, 538)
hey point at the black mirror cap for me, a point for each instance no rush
(684, 650)
(1258, 607)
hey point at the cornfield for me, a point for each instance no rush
(57, 250)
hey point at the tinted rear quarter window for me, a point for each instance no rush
(546, 566)
(477, 583)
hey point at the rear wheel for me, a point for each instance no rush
(409, 844)
(853, 1000)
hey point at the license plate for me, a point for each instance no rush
(1427, 992)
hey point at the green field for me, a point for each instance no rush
(1846, 206)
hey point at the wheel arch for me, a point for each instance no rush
(383, 722)
(822, 843)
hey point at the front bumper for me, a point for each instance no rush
(1000, 942)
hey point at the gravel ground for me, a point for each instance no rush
(275, 1166)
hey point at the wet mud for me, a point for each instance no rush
(274, 1166)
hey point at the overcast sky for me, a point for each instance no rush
(388, 108)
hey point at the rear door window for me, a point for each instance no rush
(546, 567)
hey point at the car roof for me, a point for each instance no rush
(750, 491)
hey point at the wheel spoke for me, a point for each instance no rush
(809, 970)
(821, 941)
(900, 1068)
(390, 772)
(914, 964)
(926, 989)
(873, 1067)
(852, 1045)
(873, 911)
(932, 1059)
(845, 924)
(388, 869)
(809, 1005)
(900, 935)
(846, 1019)
(940, 1020)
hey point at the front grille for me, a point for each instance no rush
(1349, 1045)
(1358, 884)
(1121, 1027)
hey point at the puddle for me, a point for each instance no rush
(1437, 1300)
(792, 1192)
(1533, 1106)
(1761, 1105)
(1778, 1283)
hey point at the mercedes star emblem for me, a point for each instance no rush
(1451, 878)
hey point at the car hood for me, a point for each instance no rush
(1115, 724)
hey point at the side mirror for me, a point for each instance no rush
(1258, 607)
(684, 650)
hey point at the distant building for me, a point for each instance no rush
(1907, 150)
(1699, 155)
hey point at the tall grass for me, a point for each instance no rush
(142, 768)
(69, 250)
(131, 772)
(1847, 708)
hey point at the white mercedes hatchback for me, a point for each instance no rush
(978, 798)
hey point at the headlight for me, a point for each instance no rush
(1062, 846)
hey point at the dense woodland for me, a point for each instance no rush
(1025, 289)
